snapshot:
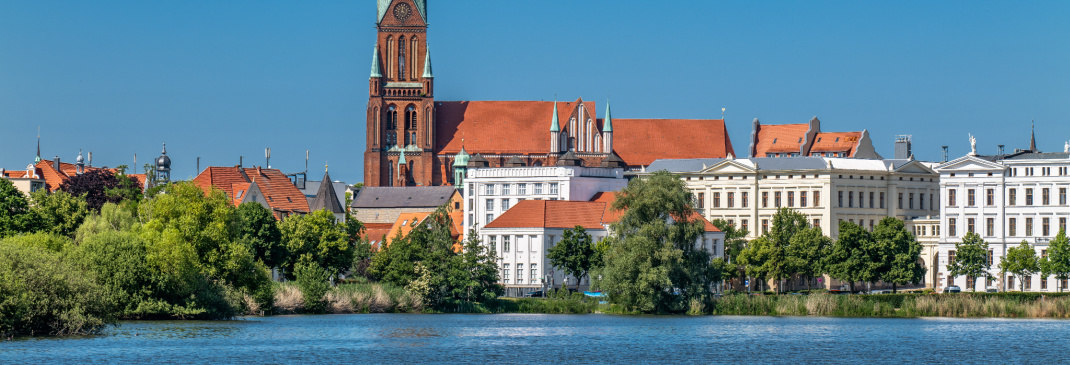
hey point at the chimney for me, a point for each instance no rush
(258, 172)
(902, 147)
(55, 164)
(241, 161)
(267, 157)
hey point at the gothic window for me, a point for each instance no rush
(401, 58)
(427, 129)
(587, 136)
(389, 174)
(572, 144)
(376, 119)
(597, 143)
(389, 56)
(392, 118)
(410, 117)
(412, 138)
(414, 51)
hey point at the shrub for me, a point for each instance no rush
(312, 279)
(40, 294)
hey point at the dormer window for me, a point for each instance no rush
(774, 140)
(837, 139)
(800, 139)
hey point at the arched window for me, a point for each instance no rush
(412, 137)
(410, 117)
(376, 119)
(587, 136)
(389, 173)
(597, 143)
(537, 163)
(572, 144)
(389, 56)
(401, 58)
(392, 118)
(414, 50)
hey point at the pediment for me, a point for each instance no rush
(970, 163)
(915, 167)
(729, 167)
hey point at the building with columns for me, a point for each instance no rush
(748, 192)
(1004, 198)
(414, 139)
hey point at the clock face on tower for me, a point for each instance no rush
(402, 11)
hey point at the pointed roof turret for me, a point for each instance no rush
(569, 159)
(427, 65)
(376, 70)
(38, 158)
(514, 162)
(401, 161)
(613, 161)
(326, 198)
(1032, 138)
(607, 124)
(461, 160)
(477, 161)
(555, 126)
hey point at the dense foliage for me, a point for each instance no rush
(971, 258)
(1057, 263)
(574, 254)
(652, 264)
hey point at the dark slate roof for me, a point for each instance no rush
(790, 163)
(403, 197)
(1039, 156)
(683, 165)
(326, 197)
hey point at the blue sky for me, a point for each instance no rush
(226, 79)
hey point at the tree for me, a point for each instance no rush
(849, 260)
(98, 187)
(257, 227)
(1020, 262)
(769, 257)
(971, 258)
(735, 239)
(807, 252)
(573, 254)
(1058, 261)
(901, 252)
(313, 281)
(653, 264)
(480, 270)
(316, 238)
(59, 212)
(188, 222)
(15, 214)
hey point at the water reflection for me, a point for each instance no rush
(389, 338)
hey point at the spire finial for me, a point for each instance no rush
(325, 165)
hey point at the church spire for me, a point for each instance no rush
(1032, 138)
(427, 64)
(401, 161)
(607, 125)
(38, 158)
(555, 126)
(376, 70)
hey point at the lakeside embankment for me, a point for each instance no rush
(377, 298)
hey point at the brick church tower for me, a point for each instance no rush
(401, 99)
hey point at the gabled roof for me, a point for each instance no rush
(641, 141)
(978, 162)
(497, 127)
(780, 138)
(275, 187)
(836, 142)
(54, 179)
(403, 197)
(326, 198)
(591, 215)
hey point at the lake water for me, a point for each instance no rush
(537, 338)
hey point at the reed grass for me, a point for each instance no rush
(957, 305)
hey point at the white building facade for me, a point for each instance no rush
(522, 236)
(747, 192)
(491, 191)
(1004, 199)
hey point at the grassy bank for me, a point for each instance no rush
(346, 298)
(965, 305)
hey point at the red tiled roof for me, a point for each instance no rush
(780, 138)
(53, 179)
(641, 141)
(594, 214)
(499, 127)
(274, 186)
(15, 174)
(837, 142)
(551, 214)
